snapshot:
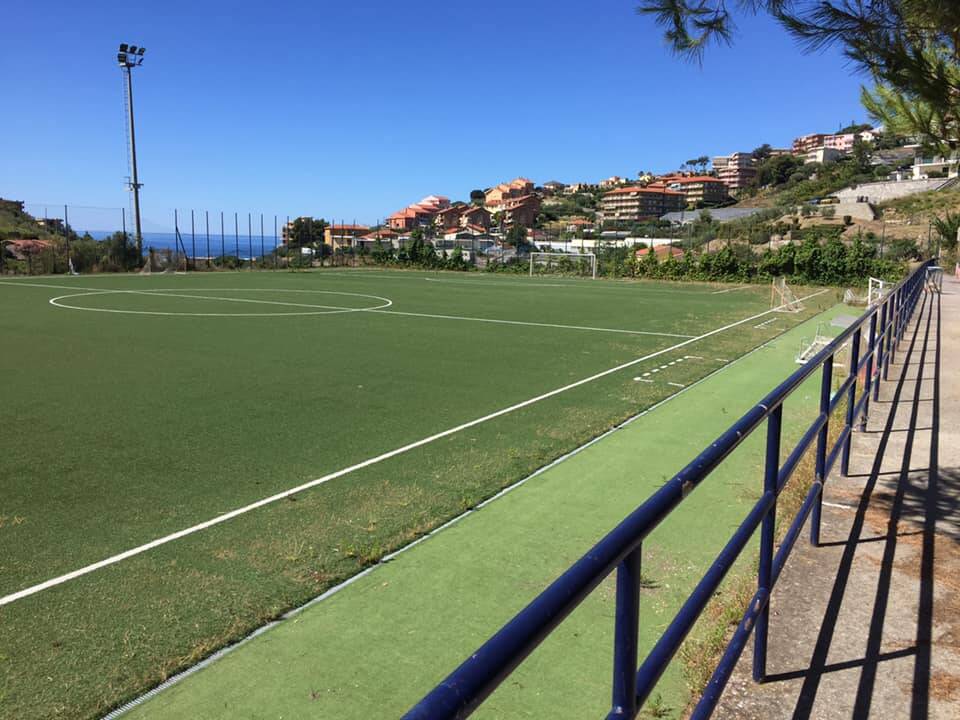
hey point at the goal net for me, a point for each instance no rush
(782, 298)
(579, 263)
(877, 290)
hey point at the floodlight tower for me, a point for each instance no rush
(129, 57)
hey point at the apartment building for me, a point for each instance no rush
(635, 203)
(699, 190)
(805, 143)
(736, 170)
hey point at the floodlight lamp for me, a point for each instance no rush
(133, 49)
(122, 58)
(123, 47)
(140, 51)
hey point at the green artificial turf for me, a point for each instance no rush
(374, 648)
(118, 428)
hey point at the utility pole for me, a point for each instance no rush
(129, 57)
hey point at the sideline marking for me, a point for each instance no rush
(517, 284)
(157, 542)
(766, 322)
(721, 292)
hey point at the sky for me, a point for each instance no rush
(352, 110)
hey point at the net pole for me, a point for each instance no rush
(206, 214)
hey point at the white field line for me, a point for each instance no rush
(113, 559)
(721, 292)
(766, 322)
(173, 680)
(517, 284)
(331, 309)
(527, 323)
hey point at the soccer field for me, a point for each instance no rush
(184, 457)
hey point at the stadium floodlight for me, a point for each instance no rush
(129, 57)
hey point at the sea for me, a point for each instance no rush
(244, 246)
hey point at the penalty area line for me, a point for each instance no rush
(224, 517)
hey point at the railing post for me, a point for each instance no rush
(826, 384)
(765, 574)
(878, 364)
(851, 401)
(625, 637)
(868, 378)
(893, 319)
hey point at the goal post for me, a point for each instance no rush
(565, 261)
(877, 289)
(782, 298)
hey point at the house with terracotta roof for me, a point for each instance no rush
(475, 215)
(495, 197)
(339, 235)
(634, 203)
(419, 213)
(521, 210)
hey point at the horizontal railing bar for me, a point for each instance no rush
(718, 681)
(786, 545)
(659, 657)
(790, 464)
(467, 686)
(841, 392)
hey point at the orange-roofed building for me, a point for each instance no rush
(495, 197)
(419, 213)
(700, 189)
(635, 203)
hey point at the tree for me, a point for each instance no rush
(948, 228)
(761, 153)
(909, 47)
(477, 197)
(517, 236)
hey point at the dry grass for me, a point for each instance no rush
(701, 652)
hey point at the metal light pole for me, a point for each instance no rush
(129, 57)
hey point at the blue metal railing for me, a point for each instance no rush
(470, 684)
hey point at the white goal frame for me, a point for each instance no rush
(569, 256)
(877, 289)
(782, 298)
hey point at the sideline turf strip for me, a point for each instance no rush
(375, 647)
(120, 428)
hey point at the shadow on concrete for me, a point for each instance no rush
(913, 496)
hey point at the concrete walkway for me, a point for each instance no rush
(868, 624)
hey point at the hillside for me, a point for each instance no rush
(16, 224)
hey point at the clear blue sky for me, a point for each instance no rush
(354, 109)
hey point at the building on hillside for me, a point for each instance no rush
(736, 170)
(496, 196)
(418, 214)
(553, 187)
(821, 155)
(340, 235)
(449, 217)
(475, 215)
(634, 203)
(385, 236)
(842, 142)
(805, 143)
(575, 188)
(613, 181)
(520, 210)
(945, 166)
(699, 189)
